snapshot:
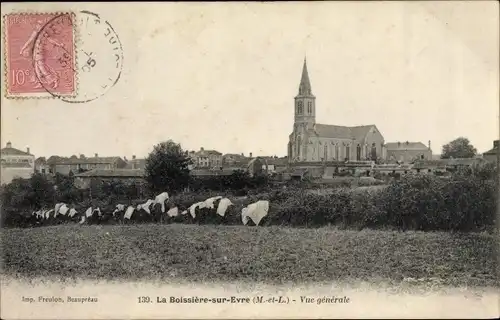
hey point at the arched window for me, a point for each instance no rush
(299, 107)
(374, 152)
(336, 151)
(347, 151)
(326, 152)
(358, 153)
(309, 107)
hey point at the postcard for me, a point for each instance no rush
(261, 160)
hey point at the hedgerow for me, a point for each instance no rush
(466, 201)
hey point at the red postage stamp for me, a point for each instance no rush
(39, 55)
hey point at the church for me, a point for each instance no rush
(314, 142)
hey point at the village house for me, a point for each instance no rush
(206, 158)
(80, 164)
(314, 142)
(41, 165)
(16, 163)
(407, 152)
(232, 159)
(491, 155)
(135, 163)
(128, 176)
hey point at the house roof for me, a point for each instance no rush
(139, 164)
(13, 152)
(118, 173)
(447, 162)
(75, 160)
(233, 155)
(208, 172)
(406, 146)
(342, 132)
(493, 151)
(277, 161)
(208, 152)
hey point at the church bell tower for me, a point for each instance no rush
(304, 119)
(305, 102)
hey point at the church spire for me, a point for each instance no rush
(305, 84)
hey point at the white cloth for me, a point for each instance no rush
(173, 212)
(98, 210)
(255, 211)
(184, 212)
(63, 209)
(192, 209)
(145, 206)
(57, 207)
(128, 213)
(82, 220)
(89, 212)
(47, 213)
(209, 203)
(161, 198)
(119, 208)
(223, 205)
(72, 212)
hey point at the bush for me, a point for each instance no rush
(463, 202)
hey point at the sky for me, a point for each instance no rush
(223, 76)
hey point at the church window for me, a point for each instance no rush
(326, 152)
(299, 107)
(309, 107)
(358, 153)
(347, 152)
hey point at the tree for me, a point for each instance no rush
(458, 148)
(167, 168)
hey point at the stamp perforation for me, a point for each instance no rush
(75, 38)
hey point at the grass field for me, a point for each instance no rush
(229, 253)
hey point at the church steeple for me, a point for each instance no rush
(305, 84)
(305, 102)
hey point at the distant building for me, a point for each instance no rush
(255, 166)
(136, 163)
(491, 155)
(41, 165)
(15, 163)
(231, 159)
(206, 158)
(83, 180)
(314, 142)
(407, 151)
(80, 164)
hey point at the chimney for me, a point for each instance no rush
(133, 157)
(250, 154)
(429, 144)
(201, 149)
(9, 145)
(242, 154)
(96, 155)
(28, 149)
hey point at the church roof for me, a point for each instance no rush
(305, 84)
(341, 132)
